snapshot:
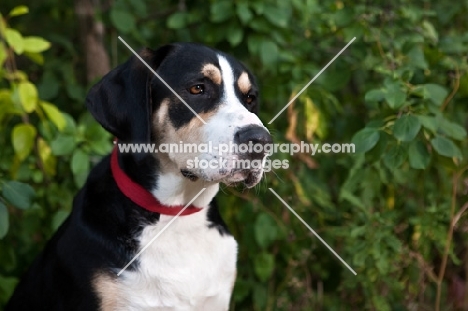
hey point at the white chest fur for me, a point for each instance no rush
(189, 267)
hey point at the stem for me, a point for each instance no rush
(454, 91)
(448, 242)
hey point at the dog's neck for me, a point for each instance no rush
(175, 189)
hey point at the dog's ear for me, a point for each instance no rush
(121, 101)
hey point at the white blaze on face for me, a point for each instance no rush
(230, 116)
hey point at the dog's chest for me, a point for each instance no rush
(189, 266)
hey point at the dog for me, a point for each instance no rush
(129, 198)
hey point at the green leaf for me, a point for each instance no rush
(395, 95)
(419, 157)
(49, 87)
(94, 131)
(7, 286)
(243, 12)
(102, 147)
(18, 194)
(365, 139)
(58, 219)
(35, 57)
(45, 153)
(335, 79)
(351, 198)
(265, 230)
(452, 129)
(277, 16)
(260, 297)
(382, 262)
(382, 303)
(3, 54)
(19, 10)
(15, 40)
(430, 31)
(406, 128)
(75, 91)
(22, 137)
(234, 35)
(264, 265)
(428, 122)
(54, 115)
(376, 123)
(416, 58)
(4, 220)
(63, 145)
(358, 231)
(70, 128)
(376, 153)
(343, 17)
(259, 7)
(445, 147)
(80, 178)
(221, 11)
(9, 261)
(395, 157)
(268, 52)
(242, 289)
(435, 93)
(177, 21)
(394, 243)
(28, 96)
(139, 7)
(123, 21)
(374, 96)
(254, 43)
(35, 44)
(80, 162)
(260, 25)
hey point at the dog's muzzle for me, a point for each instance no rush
(242, 164)
(253, 138)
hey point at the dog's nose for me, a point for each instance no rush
(255, 137)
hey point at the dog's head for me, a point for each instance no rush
(133, 104)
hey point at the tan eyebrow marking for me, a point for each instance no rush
(212, 72)
(244, 83)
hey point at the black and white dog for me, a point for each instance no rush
(192, 264)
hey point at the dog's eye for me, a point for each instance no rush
(197, 89)
(249, 99)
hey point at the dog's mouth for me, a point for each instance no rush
(189, 175)
(252, 179)
(248, 177)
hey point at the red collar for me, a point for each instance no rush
(140, 195)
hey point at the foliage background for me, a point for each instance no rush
(394, 210)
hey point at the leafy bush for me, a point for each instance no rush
(43, 147)
(393, 211)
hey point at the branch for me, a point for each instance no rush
(448, 242)
(292, 136)
(454, 90)
(425, 266)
